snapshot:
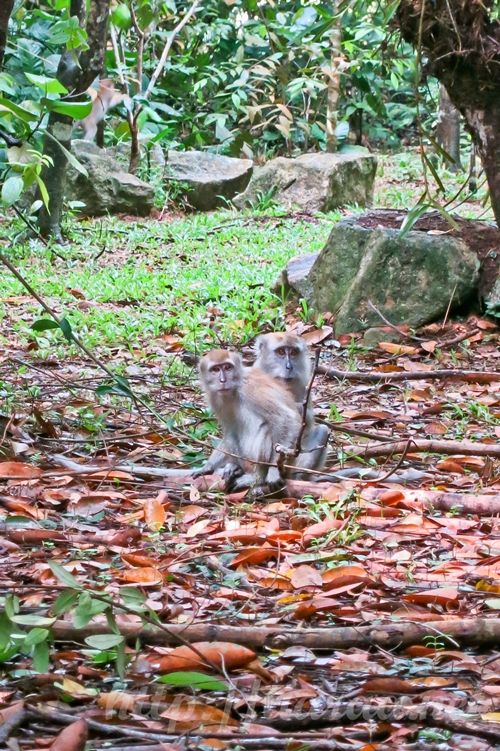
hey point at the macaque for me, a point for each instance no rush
(258, 418)
(104, 98)
(285, 356)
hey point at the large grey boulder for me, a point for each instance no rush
(410, 279)
(314, 182)
(108, 189)
(210, 179)
(492, 299)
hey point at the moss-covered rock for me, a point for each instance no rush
(314, 182)
(411, 279)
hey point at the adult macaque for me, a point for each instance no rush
(104, 98)
(285, 356)
(257, 417)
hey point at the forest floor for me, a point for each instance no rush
(348, 615)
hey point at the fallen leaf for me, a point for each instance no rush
(19, 470)
(219, 653)
(72, 738)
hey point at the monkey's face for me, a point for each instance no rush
(220, 371)
(281, 356)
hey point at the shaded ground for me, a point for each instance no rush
(363, 554)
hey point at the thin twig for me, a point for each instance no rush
(392, 325)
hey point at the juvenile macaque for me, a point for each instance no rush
(285, 356)
(104, 98)
(256, 415)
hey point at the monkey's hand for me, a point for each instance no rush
(207, 469)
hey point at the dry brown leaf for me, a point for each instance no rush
(19, 470)
(154, 514)
(219, 653)
(190, 715)
(148, 576)
(305, 576)
(72, 738)
(398, 349)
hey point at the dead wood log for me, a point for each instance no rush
(436, 715)
(454, 630)
(422, 445)
(475, 376)
(481, 504)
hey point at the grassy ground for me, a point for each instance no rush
(193, 281)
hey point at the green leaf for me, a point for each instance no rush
(69, 156)
(64, 602)
(43, 188)
(64, 576)
(75, 110)
(44, 324)
(65, 327)
(41, 657)
(36, 636)
(49, 85)
(32, 620)
(104, 641)
(194, 680)
(22, 113)
(12, 189)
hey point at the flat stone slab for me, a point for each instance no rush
(211, 180)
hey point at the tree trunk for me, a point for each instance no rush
(77, 77)
(6, 7)
(333, 87)
(462, 44)
(448, 130)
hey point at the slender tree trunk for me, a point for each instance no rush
(448, 130)
(6, 7)
(77, 77)
(333, 89)
(461, 41)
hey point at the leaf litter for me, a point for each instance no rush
(314, 618)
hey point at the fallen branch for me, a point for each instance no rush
(136, 469)
(456, 631)
(480, 504)
(409, 375)
(423, 445)
(435, 715)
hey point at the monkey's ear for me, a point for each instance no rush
(259, 343)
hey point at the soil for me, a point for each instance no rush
(481, 237)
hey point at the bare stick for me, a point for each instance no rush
(392, 325)
(422, 445)
(411, 375)
(164, 55)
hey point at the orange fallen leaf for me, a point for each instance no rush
(146, 576)
(19, 470)
(218, 653)
(190, 715)
(444, 596)
(154, 513)
(398, 349)
(72, 738)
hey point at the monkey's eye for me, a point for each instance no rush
(227, 366)
(281, 351)
(293, 351)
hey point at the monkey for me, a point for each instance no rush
(258, 418)
(104, 98)
(285, 357)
